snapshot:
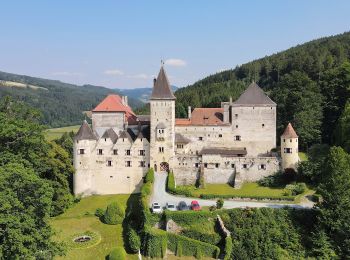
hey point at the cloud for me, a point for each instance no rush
(113, 72)
(66, 73)
(176, 62)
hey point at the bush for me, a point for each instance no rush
(212, 208)
(230, 196)
(200, 183)
(228, 248)
(179, 249)
(99, 212)
(211, 238)
(170, 187)
(188, 218)
(198, 253)
(191, 247)
(155, 242)
(133, 241)
(275, 180)
(150, 176)
(296, 189)
(117, 253)
(219, 203)
(114, 214)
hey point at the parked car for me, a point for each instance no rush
(170, 206)
(195, 205)
(182, 206)
(156, 208)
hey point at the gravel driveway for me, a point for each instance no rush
(162, 197)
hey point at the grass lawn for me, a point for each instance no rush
(55, 133)
(80, 218)
(303, 156)
(247, 189)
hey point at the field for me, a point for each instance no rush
(55, 133)
(80, 218)
(247, 189)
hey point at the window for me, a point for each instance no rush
(232, 165)
(115, 151)
(81, 151)
(287, 150)
(205, 165)
(105, 139)
(245, 166)
(217, 165)
(142, 164)
(236, 115)
(263, 125)
(200, 138)
(238, 138)
(220, 135)
(128, 163)
(128, 152)
(236, 126)
(180, 146)
(284, 140)
(262, 166)
(109, 163)
(142, 152)
(99, 151)
(161, 149)
(196, 165)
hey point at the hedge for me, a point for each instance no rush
(170, 187)
(114, 214)
(228, 248)
(132, 240)
(187, 218)
(150, 176)
(146, 191)
(230, 196)
(191, 247)
(154, 242)
(117, 253)
(211, 238)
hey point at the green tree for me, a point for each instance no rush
(25, 202)
(114, 214)
(335, 206)
(321, 247)
(342, 133)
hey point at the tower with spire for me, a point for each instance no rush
(162, 125)
(289, 148)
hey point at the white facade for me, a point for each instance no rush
(231, 144)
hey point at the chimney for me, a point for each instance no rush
(126, 100)
(154, 82)
(189, 112)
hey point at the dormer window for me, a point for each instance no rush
(99, 151)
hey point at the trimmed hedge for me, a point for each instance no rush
(188, 218)
(133, 241)
(146, 191)
(191, 247)
(114, 214)
(228, 248)
(117, 253)
(211, 238)
(150, 176)
(154, 243)
(170, 187)
(230, 196)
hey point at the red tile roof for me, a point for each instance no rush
(289, 132)
(203, 116)
(113, 103)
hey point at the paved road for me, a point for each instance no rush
(161, 196)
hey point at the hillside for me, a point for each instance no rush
(141, 94)
(60, 103)
(309, 82)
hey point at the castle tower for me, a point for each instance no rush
(289, 148)
(84, 142)
(162, 104)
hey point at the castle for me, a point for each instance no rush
(230, 144)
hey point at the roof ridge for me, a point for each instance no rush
(162, 88)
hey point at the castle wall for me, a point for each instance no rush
(107, 120)
(162, 111)
(256, 127)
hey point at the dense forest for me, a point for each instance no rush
(310, 84)
(61, 104)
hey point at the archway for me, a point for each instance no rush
(164, 167)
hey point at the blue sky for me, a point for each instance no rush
(119, 44)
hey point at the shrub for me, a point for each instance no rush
(150, 176)
(171, 183)
(198, 253)
(212, 208)
(275, 180)
(155, 242)
(296, 189)
(99, 212)
(133, 240)
(230, 196)
(219, 203)
(228, 248)
(202, 235)
(188, 218)
(114, 214)
(200, 183)
(179, 249)
(190, 247)
(117, 253)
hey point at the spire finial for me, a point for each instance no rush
(161, 62)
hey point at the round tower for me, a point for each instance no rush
(289, 148)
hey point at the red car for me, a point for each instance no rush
(195, 205)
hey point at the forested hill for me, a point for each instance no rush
(60, 103)
(309, 82)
